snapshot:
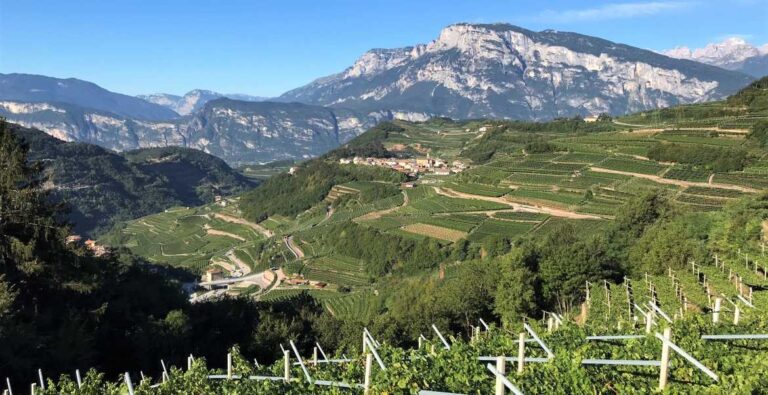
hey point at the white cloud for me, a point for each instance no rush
(612, 11)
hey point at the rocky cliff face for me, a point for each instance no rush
(503, 71)
(236, 131)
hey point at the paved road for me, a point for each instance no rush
(293, 247)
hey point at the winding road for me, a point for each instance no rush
(293, 247)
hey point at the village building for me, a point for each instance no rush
(213, 274)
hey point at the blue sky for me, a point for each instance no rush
(267, 47)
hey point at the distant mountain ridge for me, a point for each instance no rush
(733, 53)
(41, 89)
(236, 131)
(503, 71)
(193, 100)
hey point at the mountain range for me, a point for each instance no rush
(503, 71)
(469, 71)
(733, 53)
(193, 100)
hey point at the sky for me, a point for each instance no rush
(265, 47)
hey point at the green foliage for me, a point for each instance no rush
(672, 243)
(717, 159)
(289, 195)
(759, 133)
(382, 251)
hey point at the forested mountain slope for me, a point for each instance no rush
(101, 187)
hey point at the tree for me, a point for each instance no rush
(516, 294)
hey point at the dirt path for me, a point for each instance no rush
(648, 128)
(244, 268)
(378, 214)
(681, 183)
(293, 247)
(215, 232)
(266, 232)
(555, 212)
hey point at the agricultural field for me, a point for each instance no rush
(335, 269)
(632, 166)
(478, 189)
(495, 227)
(436, 232)
(183, 237)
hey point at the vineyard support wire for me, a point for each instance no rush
(688, 357)
(325, 357)
(376, 343)
(623, 362)
(533, 334)
(735, 337)
(504, 380)
(660, 311)
(442, 339)
(301, 362)
(376, 355)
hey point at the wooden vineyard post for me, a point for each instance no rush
(420, 341)
(286, 366)
(364, 341)
(736, 314)
(584, 312)
(607, 295)
(521, 353)
(314, 357)
(501, 368)
(367, 379)
(665, 358)
(716, 314)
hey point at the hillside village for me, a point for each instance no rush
(411, 166)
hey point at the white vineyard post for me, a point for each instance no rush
(521, 353)
(314, 357)
(502, 369)
(32, 388)
(716, 314)
(367, 378)
(229, 366)
(665, 358)
(129, 383)
(420, 341)
(79, 380)
(550, 323)
(40, 377)
(165, 371)
(364, 342)
(8, 385)
(736, 314)
(286, 366)
(648, 322)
